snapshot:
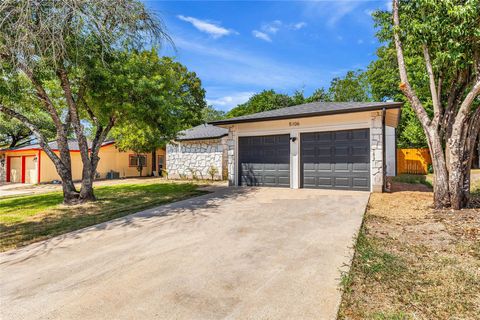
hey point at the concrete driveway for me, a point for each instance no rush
(234, 254)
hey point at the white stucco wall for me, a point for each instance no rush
(189, 159)
(390, 150)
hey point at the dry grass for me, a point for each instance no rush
(413, 262)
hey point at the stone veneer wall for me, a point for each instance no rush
(186, 159)
(230, 150)
(3, 168)
(376, 154)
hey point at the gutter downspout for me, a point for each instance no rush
(384, 157)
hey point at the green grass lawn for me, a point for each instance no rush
(27, 219)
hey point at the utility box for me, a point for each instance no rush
(113, 175)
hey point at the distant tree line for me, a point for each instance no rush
(377, 83)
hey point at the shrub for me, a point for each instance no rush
(212, 171)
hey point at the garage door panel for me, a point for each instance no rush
(360, 167)
(342, 182)
(322, 136)
(283, 167)
(324, 182)
(341, 167)
(269, 179)
(264, 160)
(359, 150)
(340, 136)
(308, 138)
(283, 139)
(360, 182)
(313, 167)
(361, 135)
(341, 150)
(338, 159)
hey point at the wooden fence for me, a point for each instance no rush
(413, 161)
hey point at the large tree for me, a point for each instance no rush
(383, 79)
(165, 99)
(53, 43)
(270, 100)
(263, 101)
(212, 114)
(446, 36)
(353, 87)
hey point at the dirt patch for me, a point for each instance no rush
(401, 186)
(414, 262)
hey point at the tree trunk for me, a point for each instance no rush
(70, 193)
(459, 181)
(88, 172)
(441, 196)
(88, 176)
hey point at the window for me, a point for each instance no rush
(133, 160)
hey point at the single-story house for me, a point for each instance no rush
(30, 164)
(347, 146)
(199, 152)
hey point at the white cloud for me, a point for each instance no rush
(212, 29)
(271, 27)
(229, 101)
(261, 35)
(331, 11)
(341, 9)
(247, 69)
(298, 25)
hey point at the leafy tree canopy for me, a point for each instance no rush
(15, 91)
(353, 87)
(209, 113)
(271, 100)
(383, 79)
(263, 101)
(153, 98)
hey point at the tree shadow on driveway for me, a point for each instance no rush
(159, 215)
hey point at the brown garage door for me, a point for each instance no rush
(336, 159)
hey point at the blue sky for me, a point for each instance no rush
(238, 48)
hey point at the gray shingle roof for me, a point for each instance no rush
(72, 145)
(310, 110)
(201, 132)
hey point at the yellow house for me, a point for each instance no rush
(30, 164)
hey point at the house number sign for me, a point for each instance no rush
(294, 123)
